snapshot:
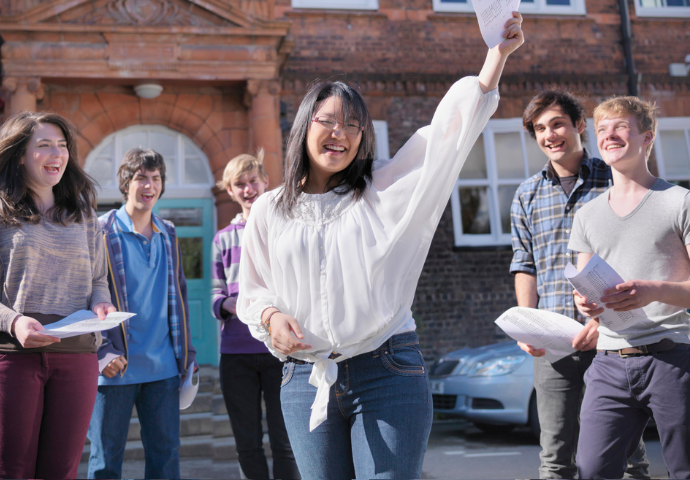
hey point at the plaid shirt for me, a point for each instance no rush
(541, 218)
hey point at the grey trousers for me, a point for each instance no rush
(560, 388)
(622, 394)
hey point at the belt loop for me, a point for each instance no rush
(390, 344)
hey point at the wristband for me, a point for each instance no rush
(267, 323)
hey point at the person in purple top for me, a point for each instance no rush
(246, 367)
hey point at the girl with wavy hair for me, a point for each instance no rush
(52, 264)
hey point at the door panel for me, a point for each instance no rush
(193, 219)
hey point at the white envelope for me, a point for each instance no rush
(189, 389)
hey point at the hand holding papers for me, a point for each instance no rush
(592, 281)
(541, 329)
(84, 321)
(492, 16)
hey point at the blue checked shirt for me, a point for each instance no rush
(541, 218)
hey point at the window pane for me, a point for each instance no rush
(102, 167)
(509, 155)
(474, 208)
(134, 140)
(535, 157)
(194, 171)
(651, 3)
(558, 2)
(182, 217)
(475, 166)
(192, 250)
(675, 148)
(678, 3)
(102, 170)
(164, 144)
(505, 199)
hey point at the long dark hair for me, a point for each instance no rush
(75, 194)
(354, 178)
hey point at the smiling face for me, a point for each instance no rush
(329, 151)
(45, 160)
(246, 189)
(144, 190)
(620, 141)
(557, 137)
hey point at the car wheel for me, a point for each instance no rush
(492, 428)
(533, 422)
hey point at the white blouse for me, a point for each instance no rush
(347, 270)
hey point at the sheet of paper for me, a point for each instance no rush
(492, 16)
(84, 321)
(541, 329)
(591, 282)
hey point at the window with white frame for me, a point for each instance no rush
(560, 7)
(672, 150)
(381, 132)
(337, 4)
(502, 158)
(662, 8)
(186, 167)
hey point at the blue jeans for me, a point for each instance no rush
(379, 415)
(622, 395)
(158, 409)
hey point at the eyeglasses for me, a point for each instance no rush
(352, 128)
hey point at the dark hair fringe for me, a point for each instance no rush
(75, 194)
(568, 102)
(355, 177)
(135, 160)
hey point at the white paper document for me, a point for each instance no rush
(492, 16)
(541, 329)
(84, 321)
(591, 282)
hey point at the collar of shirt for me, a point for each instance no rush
(585, 168)
(238, 220)
(127, 225)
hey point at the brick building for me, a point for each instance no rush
(233, 73)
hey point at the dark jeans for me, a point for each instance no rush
(560, 387)
(242, 379)
(158, 410)
(46, 401)
(622, 394)
(379, 415)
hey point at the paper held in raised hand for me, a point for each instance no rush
(492, 16)
(592, 281)
(84, 321)
(541, 329)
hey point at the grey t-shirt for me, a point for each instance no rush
(647, 244)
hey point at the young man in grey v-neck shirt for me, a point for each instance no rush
(641, 227)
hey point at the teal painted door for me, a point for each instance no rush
(193, 219)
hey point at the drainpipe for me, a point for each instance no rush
(627, 47)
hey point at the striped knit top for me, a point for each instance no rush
(225, 254)
(51, 269)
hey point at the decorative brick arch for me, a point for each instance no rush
(216, 123)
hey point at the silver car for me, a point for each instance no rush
(492, 386)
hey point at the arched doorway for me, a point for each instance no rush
(188, 202)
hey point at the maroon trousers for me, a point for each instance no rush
(46, 401)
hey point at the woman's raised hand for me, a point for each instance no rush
(286, 334)
(28, 331)
(513, 34)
